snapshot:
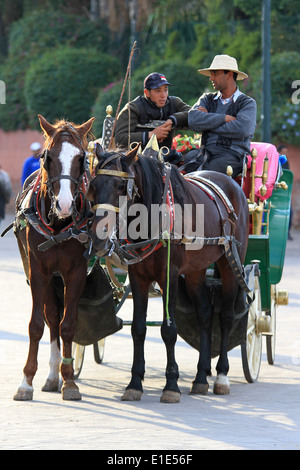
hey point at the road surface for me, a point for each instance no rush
(263, 415)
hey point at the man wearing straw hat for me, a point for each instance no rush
(226, 118)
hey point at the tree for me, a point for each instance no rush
(64, 82)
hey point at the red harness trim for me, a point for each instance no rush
(171, 207)
(36, 190)
(196, 183)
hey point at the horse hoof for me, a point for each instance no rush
(24, 394)
(221, 385)
(51, 385)
(70, 392)
(168, 396)
(131, 395)
(199, 389)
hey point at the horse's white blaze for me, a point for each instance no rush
(65, 198)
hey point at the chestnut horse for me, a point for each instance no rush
(51, 231)
(141, 182)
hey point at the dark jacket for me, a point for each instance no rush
(142, 114)
(5, 191)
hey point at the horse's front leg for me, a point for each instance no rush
(171, 392)
(139, 290)
(74, 285)
(36, 329)
(53, 320)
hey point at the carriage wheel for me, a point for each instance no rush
(99, 351)
(78, 354)
(252, 347)
(271, 336)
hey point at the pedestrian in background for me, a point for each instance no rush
(31, 163)
(5, 192)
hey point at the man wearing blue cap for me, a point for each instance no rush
(154, 113)
(31, 163)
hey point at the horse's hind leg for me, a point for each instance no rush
(73, 290)
(229, 293)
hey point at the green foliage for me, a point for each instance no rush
(29, 38)
(184, 36)
(109, 95)
(13, 115)
(65, 81)
(285, 114)
(42, 30)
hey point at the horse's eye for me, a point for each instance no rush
(122, 186)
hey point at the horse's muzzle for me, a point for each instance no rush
(101, 246)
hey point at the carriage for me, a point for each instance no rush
(268, 190)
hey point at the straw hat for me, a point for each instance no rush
(224, 62)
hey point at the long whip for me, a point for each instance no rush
(122, 92)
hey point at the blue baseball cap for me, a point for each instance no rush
(155, 80)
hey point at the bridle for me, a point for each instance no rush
(125, 175)
(50, 180)
(129, 252)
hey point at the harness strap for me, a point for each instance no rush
(232, 256)
(62, 177)
(228, 242)
(32, 215)
(121, 174)
(151, 245)
(82, 237)
(217, 190)
(107, 207)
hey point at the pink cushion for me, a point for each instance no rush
(273, 156)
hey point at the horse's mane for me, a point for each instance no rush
(149, 173)
(64, 126)
(153, 185)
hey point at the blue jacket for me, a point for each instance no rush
(30, 165)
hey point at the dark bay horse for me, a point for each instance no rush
(50, 227)
(125, 184)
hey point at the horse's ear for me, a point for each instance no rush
(45, 125)
(132, 155)
(85, 127)
(99, 149)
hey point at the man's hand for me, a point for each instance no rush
(162, 131)
(201, 108)
(229, 118)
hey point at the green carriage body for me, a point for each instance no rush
(269, 248)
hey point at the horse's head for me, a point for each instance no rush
(109, 191)
(64, 162)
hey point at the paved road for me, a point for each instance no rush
(264, 415)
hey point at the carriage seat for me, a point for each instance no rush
(262, 149)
